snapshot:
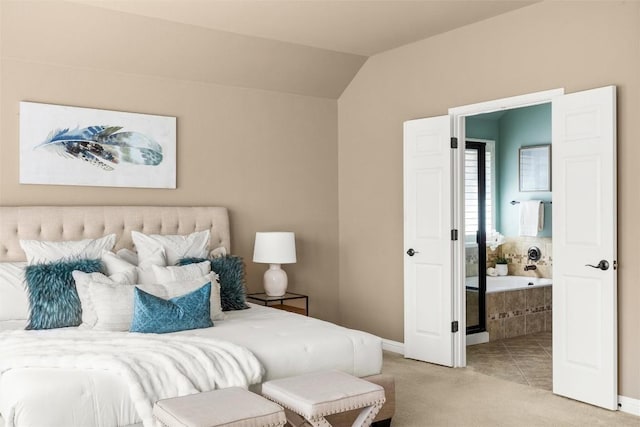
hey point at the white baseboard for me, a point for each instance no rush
(629, 405)
(393, 346)
(479, 338)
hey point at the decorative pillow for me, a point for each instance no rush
(53, 297)
(128, 255)
(152, 314)
(230, 270)
(14, 302)
(143, 273)
(146, 276)
(83, 281)
(40, 251)
(175, 246)
(178, 273)
(118, 269)
(108, 306)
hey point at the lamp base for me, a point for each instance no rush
(275, 281)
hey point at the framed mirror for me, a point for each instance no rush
(534, 166)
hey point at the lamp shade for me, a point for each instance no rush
(278, 247)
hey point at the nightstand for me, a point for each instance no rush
(278, 302)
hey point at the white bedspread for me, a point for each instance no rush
(285, 344)
(152, 366)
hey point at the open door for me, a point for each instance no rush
(584, 247)
(427, 237)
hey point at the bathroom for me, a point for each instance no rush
(508, 239)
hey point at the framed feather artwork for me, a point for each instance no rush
(61, 145)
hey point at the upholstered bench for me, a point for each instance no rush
(315, 396)
(228, 407)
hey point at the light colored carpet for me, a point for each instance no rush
(431, 395)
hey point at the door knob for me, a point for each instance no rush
(602, 265)
(411, 252)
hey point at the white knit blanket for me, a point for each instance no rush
(154, 366)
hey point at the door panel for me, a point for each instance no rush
(428, 197)
(584, 222)
(428, 322)
(582, 211)
(427, 209)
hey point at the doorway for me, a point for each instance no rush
(517, 314)
(584, 140)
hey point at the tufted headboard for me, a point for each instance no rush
(83, 222)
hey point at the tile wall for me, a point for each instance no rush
(515, 250)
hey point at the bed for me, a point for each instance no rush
(284, 343)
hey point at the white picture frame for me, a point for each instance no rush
(64, 145)
(534, 167)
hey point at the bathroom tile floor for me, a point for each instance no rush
(525, 359)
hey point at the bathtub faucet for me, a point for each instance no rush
(529, 267)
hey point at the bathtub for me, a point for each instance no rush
(508, 283)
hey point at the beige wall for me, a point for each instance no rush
(575, 45)
(274, 159)
(270, 157)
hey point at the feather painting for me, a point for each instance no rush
(104, 146)
(63, 145)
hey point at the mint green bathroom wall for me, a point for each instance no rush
(482, 128)
(485, 126)
(517, 128)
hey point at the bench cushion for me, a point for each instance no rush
(227, 407)
(323, 393)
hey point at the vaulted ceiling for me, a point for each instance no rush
(357, 27)
(305, 47)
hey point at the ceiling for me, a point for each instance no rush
(359, 27)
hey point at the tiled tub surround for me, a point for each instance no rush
(521, 312)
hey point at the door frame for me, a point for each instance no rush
(458, 116)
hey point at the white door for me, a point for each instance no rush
(427, 241)
(584, 232)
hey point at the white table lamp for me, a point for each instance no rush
(275, 248)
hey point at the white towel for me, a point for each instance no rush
(531, 217)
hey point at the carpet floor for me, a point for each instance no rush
(431, 395)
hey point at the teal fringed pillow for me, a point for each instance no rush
(152, 314)
(53, 299)
(230, 269)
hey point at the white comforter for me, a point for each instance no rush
(153, 366)
(286, 344)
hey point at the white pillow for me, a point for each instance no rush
(14, 300)
(179, 273)
(194, 245)
(108, 306)
(40, 251)
(146, 276)
(144, 272)
(118, 269)
(175, 289)
(128, 255)
(83, 282)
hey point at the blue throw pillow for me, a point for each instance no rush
(152, 314)
(230, 269)
(53, 298)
